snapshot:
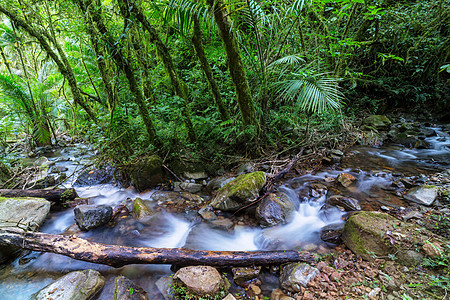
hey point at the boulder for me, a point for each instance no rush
(332, 233)
(243, 274)
(125, 289)
(93, 176)
(378, 122)
(22, 213)
(218, 182)
(147, 172)
(294, 276)
(345, 179)
(190, 187)
(89, 217)
(163, 197)
(164, 285)
(347, 203)
(200, 281)
(377, 234)
(424, 195)
(142, 209)
(240, 192)
(78, 285)
(274, 209)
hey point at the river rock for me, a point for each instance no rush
(78, 285)
(195, 175)
(21, 213)
(58, 169)
(142, 209)
(207, 213)
(332, 233)
(377, 234)
(274, 209)
(245, 168)
(243, 274)
(424, 195)
(222, 224)
(89, 217)
(294, 276)
(200, 281)
(239, 192)
(349, 204)
(125, 289)
(218, 182)
(345, 179)
(164, 285)
(190, 187)
(93, 176)
(146, 173)
(163, 197)
(378, 122)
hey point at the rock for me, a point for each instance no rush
(274, 209)
(125, 289)
(78, 285)
(433, 250)
(163, 197)
(407, 138)
(21, 213)
(94, 176)
(297, 275)
(200, 281)
(246, 168)
(58, 169)
(349, 204)
(243, 274)
(345, 179)
(377, 234)
(207, 213)
(142, 209)
(332, 233)
(421, 144)
(424, 195)
(189, 187)
(335, 156)
(195, 175)
(229, 297)
(373, 293)
(164, 285)
(412, 215)
(218, 182)
(146, 173)
(222, 224)
(239, 192)
(378, 122)
(89, 217)
(5, 174)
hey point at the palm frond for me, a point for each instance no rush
(289, 60)
(184, 12)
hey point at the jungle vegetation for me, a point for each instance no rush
(214, 77)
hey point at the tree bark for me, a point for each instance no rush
(235, 64)
(197, 41)
(118, 256)
(58, 195)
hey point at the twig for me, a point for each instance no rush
(175, 175)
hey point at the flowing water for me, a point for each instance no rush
(374, 168)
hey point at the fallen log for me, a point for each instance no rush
(57, 195)
(118, 256)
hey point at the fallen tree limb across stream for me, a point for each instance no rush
(57, 195)
(118, 256)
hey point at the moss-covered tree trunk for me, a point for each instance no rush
(181, 89)
(94, 18)
(197, 42)
(63, 66)
(235, 64)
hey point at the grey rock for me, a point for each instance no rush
(378, 122)
(222, 224)
(274, 209)
(191, 187)
(125, 289)
(200, 280)
(164, 285)
(58, 169)
(410, 258)
(243, 274)
(79, 285)
(196, 175)
(246, 168)
(297, 275)
(207, 213)
(218, 182)
(349, 204)
(332, 233)
(89, 217)
(425, 194)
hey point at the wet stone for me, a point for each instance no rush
(125, 289)
(243, 274)
(332, 233)
(274, 209)
(425, 194)
(345, 179)
(207, 213)
(200, 280)
(297, 275)
(222, 224)
(89, 217)
(349, 204)
(164, 286)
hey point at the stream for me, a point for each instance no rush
(375, 169)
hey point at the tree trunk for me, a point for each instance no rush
(235, 64)
(65, 70)
(197, 41)
(58, 195)
(118, 256)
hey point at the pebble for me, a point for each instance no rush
(385, 208)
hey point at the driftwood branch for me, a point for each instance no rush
(118, 256)
(58, 195)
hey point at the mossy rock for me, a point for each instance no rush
(141, 210)
(239, 192)
(378, 121)
(146, 173)
(4, 173)
(379, 235)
